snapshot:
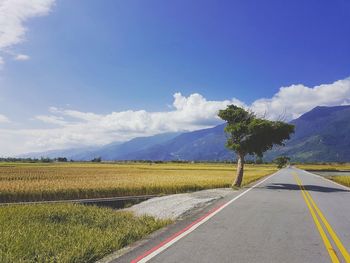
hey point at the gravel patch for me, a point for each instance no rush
(178, 205)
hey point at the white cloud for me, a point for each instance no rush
(51, 119)
(13, 15)
(22, 57)
(4, 119)
(290, 102)
(84, 128)
(72, 128)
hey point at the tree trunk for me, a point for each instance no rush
(240, 167)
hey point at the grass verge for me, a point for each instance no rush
(68, 233)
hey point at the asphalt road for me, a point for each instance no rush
(293, 216)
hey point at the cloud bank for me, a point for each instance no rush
(13, 15)
(67, 128)
(295, 100)
(4, 119)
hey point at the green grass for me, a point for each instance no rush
(58, 181)
(68, 233)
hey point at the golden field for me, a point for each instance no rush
(325, 167)
(342, 179)
(59, 181)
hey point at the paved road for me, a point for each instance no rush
(293, 216)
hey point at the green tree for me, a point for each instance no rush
(96, 160)
(259, 160)
(281, 161)
(247, 134)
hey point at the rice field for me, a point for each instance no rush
(341, 179)
(68, 233)
(76, 233)
(62, 181)
(344, 180)
(325, 167)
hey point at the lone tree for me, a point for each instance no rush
(281, 161)
(247, 134)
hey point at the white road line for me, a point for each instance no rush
(188, 231)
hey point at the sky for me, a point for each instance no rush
(88, 72)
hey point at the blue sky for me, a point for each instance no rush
(107, 57)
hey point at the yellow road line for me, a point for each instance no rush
(324, 237)
(330, 230)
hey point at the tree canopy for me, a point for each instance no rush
(248, 134)
(281, 161)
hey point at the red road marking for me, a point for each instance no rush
(197, 223)
(176, 234)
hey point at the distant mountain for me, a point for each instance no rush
(120, 151)
(322, 135)
(71, 153)
(113, 151)
(204, 145)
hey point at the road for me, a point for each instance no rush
(292, 216)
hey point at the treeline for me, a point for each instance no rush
(34, 160)
(99, 159)
(43, 160)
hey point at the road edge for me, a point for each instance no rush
(150, 253)
(326, 179)
(114, 256)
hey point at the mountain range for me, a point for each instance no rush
(321, 135)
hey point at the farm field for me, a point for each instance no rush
(62, 181)
(78, 233)
(344, 180)
(325, 167)
(341, 179)
(68, 233)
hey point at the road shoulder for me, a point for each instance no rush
(146, 244)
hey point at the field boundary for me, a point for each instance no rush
(85, 201)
